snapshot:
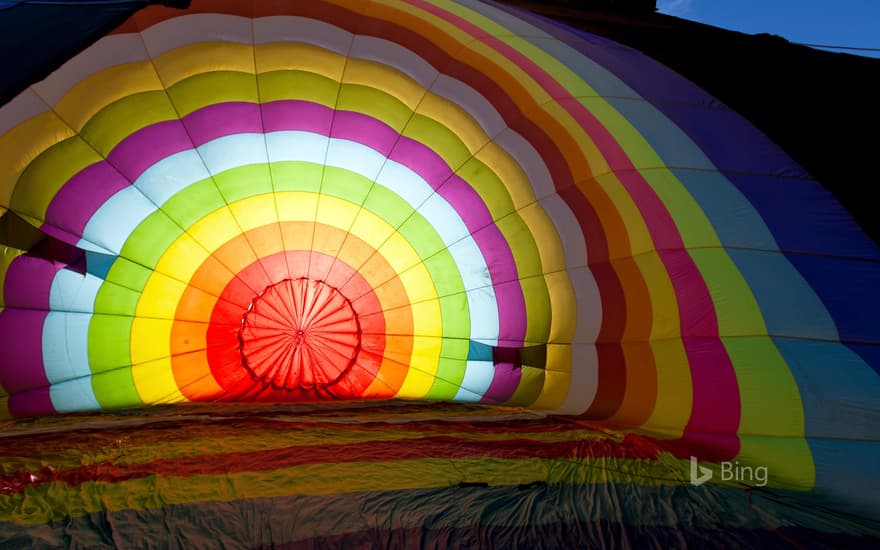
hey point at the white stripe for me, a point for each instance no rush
(195, 28)
(110, 51)
(289, 28)
(569, 230)
(584, 380)
(26, 105)
(393, 55)
(589, 305)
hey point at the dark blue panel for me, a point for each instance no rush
(804, 216)
(99, 264)
(47, 34)
(479, 351)
(870, 354)
(850, 290)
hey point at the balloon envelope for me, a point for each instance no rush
(271, 202)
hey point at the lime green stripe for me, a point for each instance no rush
(375, 103)
(193, 93)
(45, 175)
(302, 85)
(122, 118)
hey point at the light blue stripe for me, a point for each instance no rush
(790, 309)
(838, 389)
(170, 175)
(446, 221)
(733, 217)
(485, 325)
(477, 377)
(74, 396)
(65, 342)
(230, 152)
(295, 146)
(846, 475)
(354, 157)
(66, 331)
(115, 220)
(71, 291)
(395, 176)
(65, 345)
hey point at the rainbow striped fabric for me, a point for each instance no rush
(433, 201)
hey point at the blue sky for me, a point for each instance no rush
(835, 22)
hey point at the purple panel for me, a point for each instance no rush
(297, 115)
(423, 161)
(28, 282)
(147, 146)
(366, 130)
(504, 384)
(31, 403)
(223, 119)
(463, 198)
(21, 335)
(82, 195)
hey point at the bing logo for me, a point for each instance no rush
(730, 471)
(699, 474)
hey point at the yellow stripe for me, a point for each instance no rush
(673, 407)
(557, 378)
(387, 79)
(21, 145)
(277, 56)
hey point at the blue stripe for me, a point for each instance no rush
(838, 389)
(789, 305)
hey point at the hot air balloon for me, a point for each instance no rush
(419, 272)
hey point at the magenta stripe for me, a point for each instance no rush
(716, 397)
(297, 115)
(223, 119)
(147, 146)
(21, 335)
(365, 129)
(31, 403)
(79, 198)
(26, 290)
(28, 282)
